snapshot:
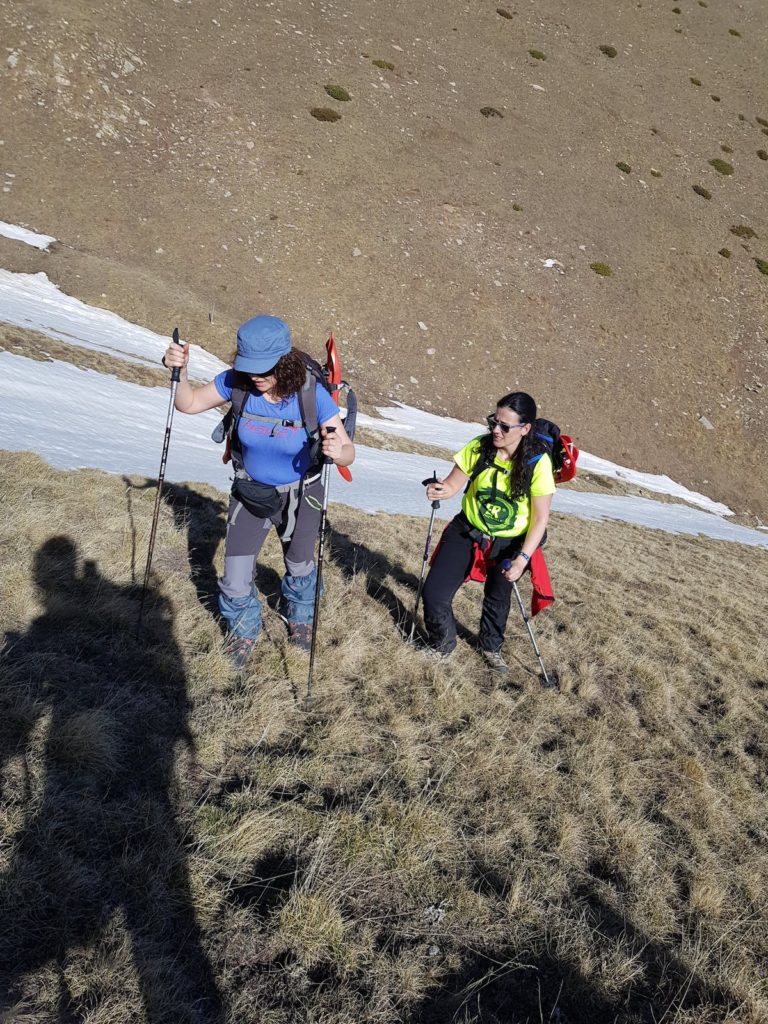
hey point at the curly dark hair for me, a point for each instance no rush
(530, 445)
(290, 374)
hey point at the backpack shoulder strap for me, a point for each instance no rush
(308, 403)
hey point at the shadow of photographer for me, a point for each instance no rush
(95, 726)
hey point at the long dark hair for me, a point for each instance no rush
(290, 374)
(530, 444)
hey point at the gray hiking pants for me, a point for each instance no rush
(297, 525)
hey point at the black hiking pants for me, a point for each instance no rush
(450, 568)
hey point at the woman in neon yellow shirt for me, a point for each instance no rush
(509, 485)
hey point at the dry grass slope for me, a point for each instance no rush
(422, 846)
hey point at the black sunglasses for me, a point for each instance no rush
(503, 427)
(267, 373)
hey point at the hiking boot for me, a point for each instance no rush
(300, 635)
(495, 662)
(238, 650)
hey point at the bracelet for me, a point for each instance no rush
(522, 554)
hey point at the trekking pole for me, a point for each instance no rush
(319, 577)
(427, 545)
(175, 377)
(547, 683)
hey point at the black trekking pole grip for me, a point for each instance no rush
(432, 480)
(176, 372)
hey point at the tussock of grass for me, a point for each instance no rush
(734, 32)
(504, 13)
(762, 154)
(490, 112)
(182, 845)
(537, 54)
(325, 114)
(701, 191)
(338, 92)
(726, 253)
(624, 167)
(608, 51)
(695, 81)
(601, 269)
(721, 166)
(385, 65)
(762, 121)
(762, 265)
(743, 231)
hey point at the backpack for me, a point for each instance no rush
(560, 448)
(328, 377)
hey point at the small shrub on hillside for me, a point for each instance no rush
(490, 112)
(726, 149)
(703, 3)
(762, 265)
(624, 168)
(701, 191)
(337, 92)
(762, 121)
(679, 31)
(714, 98)
(676, 10)
(655, 173)
(762, 154)
(725, 252)
(517, 207)
(721, 166)
(734, 32)
(537, 55)
(325, 114)
(385, 65)
(743, 231)
(695, 81)
(503, 12)
(601, 269)
(609, 51)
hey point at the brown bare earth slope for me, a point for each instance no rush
(171, 149)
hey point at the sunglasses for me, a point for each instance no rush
(267, 373)
(503, 427)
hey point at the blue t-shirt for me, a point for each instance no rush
(275, 454)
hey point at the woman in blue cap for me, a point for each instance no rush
(276, 483)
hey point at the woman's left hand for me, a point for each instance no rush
(515, 571)
(332, 444)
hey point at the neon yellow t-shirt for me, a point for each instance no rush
(500, 516)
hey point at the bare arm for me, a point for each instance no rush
(189, 399)
(452, 484)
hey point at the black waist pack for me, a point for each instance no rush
(261, 500)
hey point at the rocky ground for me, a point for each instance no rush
(172, 150)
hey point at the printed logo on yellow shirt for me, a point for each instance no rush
(496, 511)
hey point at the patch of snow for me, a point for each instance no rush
(76, 418)
(34, 302)
(444, 432)
(24, 235)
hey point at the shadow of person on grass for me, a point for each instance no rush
(352, 557)
(204, 520)
(518, 986)
(98, 719)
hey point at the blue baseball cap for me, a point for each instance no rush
(261, 341)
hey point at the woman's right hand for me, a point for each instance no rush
(436, 491)
(176, 355)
